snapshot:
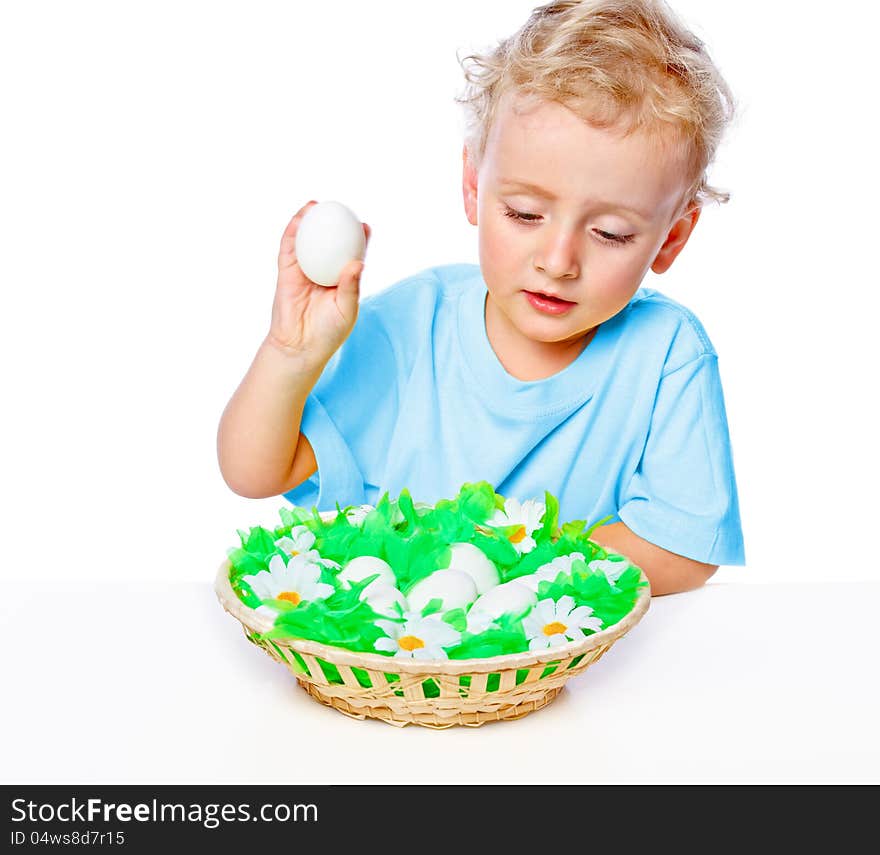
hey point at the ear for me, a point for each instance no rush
(469, 187)
(675, 240)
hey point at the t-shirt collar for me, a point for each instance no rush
(567, 389)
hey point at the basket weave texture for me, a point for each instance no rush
(436, 693)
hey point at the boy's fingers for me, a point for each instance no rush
(348, 289)
(294, 220)
(288, 239)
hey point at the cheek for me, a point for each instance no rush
(615, 287)
(495, 245)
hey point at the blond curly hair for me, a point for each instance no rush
(626, 64)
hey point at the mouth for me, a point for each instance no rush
(549, 303)
(551, 297)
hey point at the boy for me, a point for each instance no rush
(547, 366)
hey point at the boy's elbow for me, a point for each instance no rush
(239, 488)
(679, 575)
(248, 488)
(698, 574)
(668, 572)
(248, 493)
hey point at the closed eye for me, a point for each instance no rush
(605, 237)
(519, 215)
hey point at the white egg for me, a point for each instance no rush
(472, 560)
(382, 597)
(363, 566)
(455, 588)
(329, 237)
(508, 597)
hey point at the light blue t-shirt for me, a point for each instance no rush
(635, 428)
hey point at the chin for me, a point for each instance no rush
(548, 330)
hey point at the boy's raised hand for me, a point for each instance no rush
(310, 321)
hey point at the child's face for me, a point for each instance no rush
(564, 246)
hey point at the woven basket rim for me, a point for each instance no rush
(375, 661)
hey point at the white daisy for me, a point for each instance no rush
(479, 621)
(299, 543)
(418, 637)
(300, 539)
(611, 567)
(295, 582)
(552, 624)
(548, 572)
(527, 516)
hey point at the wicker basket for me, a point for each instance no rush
(435, 693)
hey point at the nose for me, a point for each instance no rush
(558, 255)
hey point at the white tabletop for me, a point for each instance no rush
(150, 683)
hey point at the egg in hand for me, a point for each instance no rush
(329, 236)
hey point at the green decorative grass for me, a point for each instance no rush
(416, 542)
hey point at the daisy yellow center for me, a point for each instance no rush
(555, 628)
(518, 535)
(410, 642)
(290, 596)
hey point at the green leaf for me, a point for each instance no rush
(550, 522)
(457, 619)
(573, 529)
(596, 525)
(433, 606)
(260, 541)
(405, 503)
(492, 642)
(477, 501)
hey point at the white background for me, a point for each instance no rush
(153, 152)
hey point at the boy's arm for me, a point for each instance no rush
(259, 447)
(667, 572)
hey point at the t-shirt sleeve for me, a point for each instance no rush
(349, 417)
(683, 495)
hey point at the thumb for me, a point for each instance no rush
(348, 289)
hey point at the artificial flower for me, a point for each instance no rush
(300, 543)
(478, 620)
(526, 515)
(417, 637)
(294, 582)
(548, 572)
(612, 568)
(300, 540)
(552, 624)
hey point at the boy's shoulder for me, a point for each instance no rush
(404, 312)
(441, 282)
(406, 309)
(657, 318)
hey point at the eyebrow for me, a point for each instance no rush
(546, 194)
